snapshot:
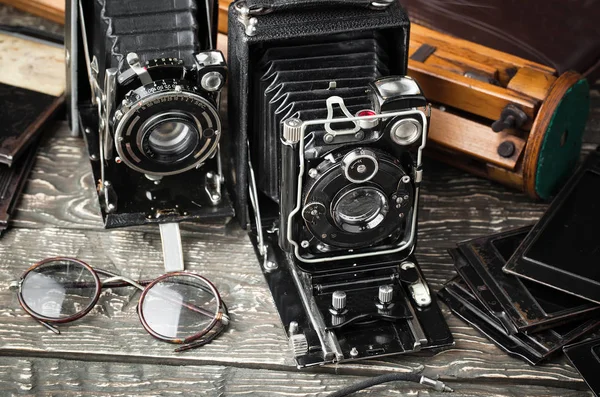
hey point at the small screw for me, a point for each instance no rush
(506, 149)
(270, 265)
(405, 179)
(313, 173)
(304, 244)
(354, 352)
(93, 157)
(328, 138)
(359, 135)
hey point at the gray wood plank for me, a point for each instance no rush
(255, 338)
(51, 377)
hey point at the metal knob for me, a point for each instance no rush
(338, 300)
(386, 293)
(292, 130)
(299, 345)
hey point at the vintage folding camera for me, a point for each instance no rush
(144, 89)
(330, 134)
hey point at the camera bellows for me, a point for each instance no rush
(295, 82)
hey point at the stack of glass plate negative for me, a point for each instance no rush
(536, 290)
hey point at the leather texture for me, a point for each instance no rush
(293, 27)
(150, 28)
(289, 4)
(562, 34)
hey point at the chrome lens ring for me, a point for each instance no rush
(359, 208)
(153, 109)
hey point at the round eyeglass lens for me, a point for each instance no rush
(59, 289)
(179, 306)
(360, 209)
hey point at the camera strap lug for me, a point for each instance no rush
(134, 63)
(416, 285)
(245, 17)
(171, 247)
(212, 186)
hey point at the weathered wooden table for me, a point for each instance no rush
(109, 353)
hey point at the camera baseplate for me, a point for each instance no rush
(355, 314)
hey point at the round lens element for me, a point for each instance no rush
(172, 140)
(59, 289)
(406, 131)
(360, 209)
(179, 306)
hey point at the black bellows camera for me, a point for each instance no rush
(329, 133)
(144, 85)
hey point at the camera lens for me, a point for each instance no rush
(170, 140)
(360, 209)
(171, 137)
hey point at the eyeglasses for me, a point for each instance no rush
(178, 307)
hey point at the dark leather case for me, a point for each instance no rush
(293, 21)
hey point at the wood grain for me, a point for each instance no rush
(476, 52)
(472, 138)
(32, 65)
(59, 214)
(464, 93)
(531, 82)
(50, 377)
(53, 10)
(454, 206)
